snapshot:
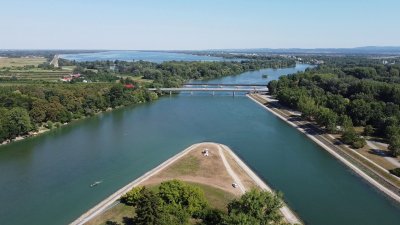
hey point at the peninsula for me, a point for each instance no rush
(212, 167)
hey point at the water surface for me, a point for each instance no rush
(157, 57)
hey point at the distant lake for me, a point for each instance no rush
(157, 57)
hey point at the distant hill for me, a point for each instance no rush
(369, 50)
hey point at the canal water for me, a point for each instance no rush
(46, 180)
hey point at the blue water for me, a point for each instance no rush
(157, 57)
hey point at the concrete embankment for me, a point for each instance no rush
(325, 146)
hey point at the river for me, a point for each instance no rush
(156, 57)
(45, 180)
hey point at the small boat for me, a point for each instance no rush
(96, 183)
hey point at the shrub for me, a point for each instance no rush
(395, 172)
(49, 125)
(132, 196)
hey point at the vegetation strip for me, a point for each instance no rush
(358, 171)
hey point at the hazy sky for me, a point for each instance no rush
(197, 24)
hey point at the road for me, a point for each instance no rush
(54, 61)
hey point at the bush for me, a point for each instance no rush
(49, 125)
(359, 143)
(132, 196)
(368, 130)
(395, 172)
(57, 125)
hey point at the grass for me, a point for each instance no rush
(216, 197)
(19, 62)
(185, 167)
(120, 214)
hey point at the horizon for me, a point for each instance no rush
(179, 25)
(221, 49)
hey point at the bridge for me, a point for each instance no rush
(255, 89)
(225, 85)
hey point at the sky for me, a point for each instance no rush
(197, 24)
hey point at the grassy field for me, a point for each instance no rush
(20, 62)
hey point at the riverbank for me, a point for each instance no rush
(383, 181)
(218, 170)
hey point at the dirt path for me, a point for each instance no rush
(235, 178)
(391, 160)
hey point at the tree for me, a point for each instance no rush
(255, 207)
(368, 130)
(394, 145)
(307, 107)
(148, 208)
(351, 138)
(115, 95)
(18, 122)
(186, 197)
(131, 198)
(327, 118)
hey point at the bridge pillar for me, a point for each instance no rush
(213, 93)
(233, 93)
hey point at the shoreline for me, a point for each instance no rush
(354, 168)
(110, 201)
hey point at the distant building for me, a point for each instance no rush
(70, 77)
(129, 86)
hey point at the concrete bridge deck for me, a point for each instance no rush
(224, 85)
(213, 90)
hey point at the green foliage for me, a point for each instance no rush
(148, 209)
(177, 202)
(177, 194)
(368, 130)
(351, 138)
(49, 125)
(16, 122)
(394, 145)
(395, 172)
(132, 197)
(25, 108)
(255, 207)
(360, 91)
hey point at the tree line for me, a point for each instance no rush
(347, 92)
(176, 202)
(25, 108)
(174, 73)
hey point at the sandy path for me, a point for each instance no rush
(395, 162)
(235, 177)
